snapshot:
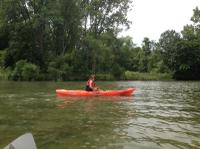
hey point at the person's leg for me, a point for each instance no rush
(88, 89)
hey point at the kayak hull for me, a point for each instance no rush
(124, 92)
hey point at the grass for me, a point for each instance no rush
(129, 75)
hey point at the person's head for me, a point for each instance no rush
(92, 77)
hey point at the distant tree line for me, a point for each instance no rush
(70, 39)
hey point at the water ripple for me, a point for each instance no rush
(159, 115)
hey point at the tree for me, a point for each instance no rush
(66, 37)
(196, 17)
(182, 55)
(188, 50)
(168, 45)
(38, 29)
(101, 16)
(187, 62)
(146, 46)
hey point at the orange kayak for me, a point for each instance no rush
(124, 92)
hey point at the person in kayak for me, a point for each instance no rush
(90, 85)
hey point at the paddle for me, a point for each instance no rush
(25, 141)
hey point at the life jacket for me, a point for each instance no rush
(90, 84)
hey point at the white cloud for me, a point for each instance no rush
(150, 18)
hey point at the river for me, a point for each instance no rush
(159, 115)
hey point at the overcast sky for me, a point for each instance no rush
(150, 18)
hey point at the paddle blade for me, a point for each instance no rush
(25, 141)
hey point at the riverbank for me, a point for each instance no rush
(127, 75)
(130, 75)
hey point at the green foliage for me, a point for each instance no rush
(196, 16)
(30, 72)
(59, 69)
(187, 60)
(44, 32)
(4, 73)
(101, 16)
(104, 77)
(70, 39)
(146, 46)
(156, 63)
(25, 71)
(182, 55)
(189, 32)
(3, 37)
(1, 58)
(168, 45)
(117, 71)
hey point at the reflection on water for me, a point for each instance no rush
(65, 101)
(159, 115)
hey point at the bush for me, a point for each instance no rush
(53, 72)
(30, 72)
(60, 70)
(117, 71)
(25, 71)
(4, 73)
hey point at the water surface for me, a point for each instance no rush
(159, 115)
